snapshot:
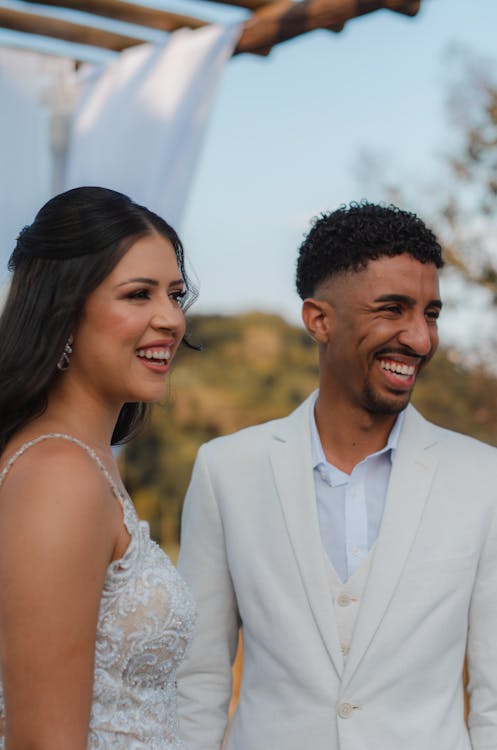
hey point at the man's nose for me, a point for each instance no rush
(418, 335)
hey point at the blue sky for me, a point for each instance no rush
(287, 132)
(286, 135)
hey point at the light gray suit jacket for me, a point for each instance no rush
(252, 553)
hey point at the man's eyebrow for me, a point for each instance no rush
(406, 299)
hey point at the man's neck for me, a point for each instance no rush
(349, 435)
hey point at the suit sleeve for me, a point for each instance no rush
(482, 648)
(205, 679)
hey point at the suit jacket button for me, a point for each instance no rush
(345, 710)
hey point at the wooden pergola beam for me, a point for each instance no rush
(268, 26)
(123, 11)
(30, 23)
(133, 13)
(249, 4)
(286, 19)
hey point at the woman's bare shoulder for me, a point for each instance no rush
(55, 476)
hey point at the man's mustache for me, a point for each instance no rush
(404, 351)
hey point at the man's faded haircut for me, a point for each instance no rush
(348, 238)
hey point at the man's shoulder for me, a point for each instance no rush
(256, 438)
(452, 440)
(253, 435)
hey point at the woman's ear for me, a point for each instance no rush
(317, 316)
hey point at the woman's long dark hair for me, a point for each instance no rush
(75, 241)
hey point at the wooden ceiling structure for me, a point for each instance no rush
(269, 22)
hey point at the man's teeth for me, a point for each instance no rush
(159, 354)
(398, 368)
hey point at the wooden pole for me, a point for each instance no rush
(124, 11)
(57, 28)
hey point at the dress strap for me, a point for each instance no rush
(48, 436)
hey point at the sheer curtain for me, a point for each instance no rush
(140, 120)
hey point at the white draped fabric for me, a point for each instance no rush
(136, 124)
(140, 120)
(31, 85)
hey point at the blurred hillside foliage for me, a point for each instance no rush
(253, 368)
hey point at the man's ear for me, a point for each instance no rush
(317, 316)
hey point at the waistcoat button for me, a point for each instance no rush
(343, 600)
(345, 710)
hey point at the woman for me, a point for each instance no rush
(94, 618)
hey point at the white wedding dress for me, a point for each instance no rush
(145, 625)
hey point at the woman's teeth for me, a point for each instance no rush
(160, 354)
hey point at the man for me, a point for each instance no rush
(353, 542)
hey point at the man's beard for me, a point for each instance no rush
(376, 404)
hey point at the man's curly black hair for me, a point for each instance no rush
(351, 236)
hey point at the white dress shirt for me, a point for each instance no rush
(350, 506)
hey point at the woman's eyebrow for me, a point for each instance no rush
(139, 280)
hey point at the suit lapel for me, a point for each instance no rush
(410, 481)
(292, 467)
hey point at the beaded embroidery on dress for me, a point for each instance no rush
(145, 625)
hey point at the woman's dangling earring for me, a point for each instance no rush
(65, 357)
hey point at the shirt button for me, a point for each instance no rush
(356, 551)
(345, 710)
(343, 600)
(345, 649)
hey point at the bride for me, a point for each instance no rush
(94, 619)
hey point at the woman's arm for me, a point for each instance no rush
(57, 534)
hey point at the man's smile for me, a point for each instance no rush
(397, 367)
(398, 372)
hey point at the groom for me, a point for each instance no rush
(353, 542)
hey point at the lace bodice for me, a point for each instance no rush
(145, 624)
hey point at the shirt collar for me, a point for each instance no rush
(318, 456)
